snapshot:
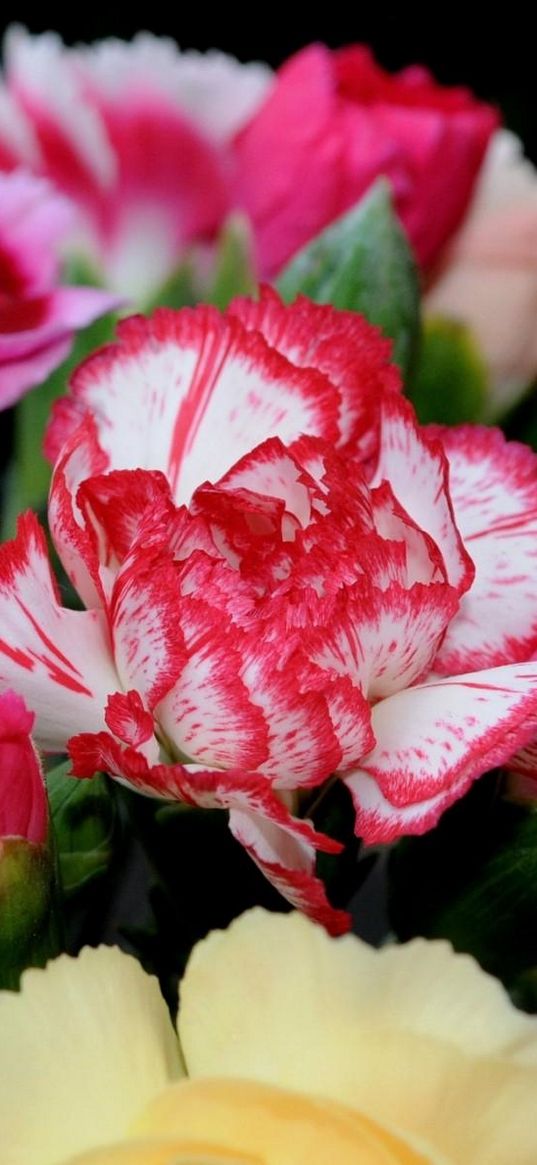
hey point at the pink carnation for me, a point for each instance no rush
(38, 318)
(332, 124)
(284, 577)
(23, 800)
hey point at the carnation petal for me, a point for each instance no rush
(350, 351)
(98, 1020)
(433, 740)
(417, 470)
(58, 660)
(493, 486)
(172, 385)
(386, 1032)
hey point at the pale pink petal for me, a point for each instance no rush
(435, 739)
(350, 351)
(58, 660)
(493, 486)
(20, 374)
(417, 470)
(190, 393)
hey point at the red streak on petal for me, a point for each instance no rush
(56, 673)
(17, 655)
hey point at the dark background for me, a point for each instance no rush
(493, 54)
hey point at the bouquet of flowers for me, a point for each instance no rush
(268, 612)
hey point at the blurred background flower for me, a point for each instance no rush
(292, 1047)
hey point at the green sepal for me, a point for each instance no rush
(85, 820)
(235, 263)
(179, 290)
(362, 262)
(450, 380)
(30, 924)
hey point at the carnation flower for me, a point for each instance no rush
(264, 610)
(38, 318)
(292, 1047)
(137, 135)
(333, 123)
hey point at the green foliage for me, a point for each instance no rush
(449, 384)
(363, 263)
(85, 822)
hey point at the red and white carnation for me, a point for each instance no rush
(138, 136)
(263, 607)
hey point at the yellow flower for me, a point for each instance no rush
(294, 1049)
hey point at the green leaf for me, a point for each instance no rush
(85, 822)
(363, 262)
(450, 380)
(235, 265)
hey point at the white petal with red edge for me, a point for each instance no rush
(190, 393)
(343, 345)
(378, 822)
(384, 640)
(493, 487)
(433, 740)
(148, 645)
(58, 660)
(81, 457)
(288, 862)
(417, 470)
(209, 715)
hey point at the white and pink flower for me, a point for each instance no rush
(265, 608)
(138, 136)
(38, 318)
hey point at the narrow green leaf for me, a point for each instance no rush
(363, 263)
(449, 384)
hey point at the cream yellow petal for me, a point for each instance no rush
(273, 1126)
(399, 1033)
(83, 1047)
(158, 1152)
